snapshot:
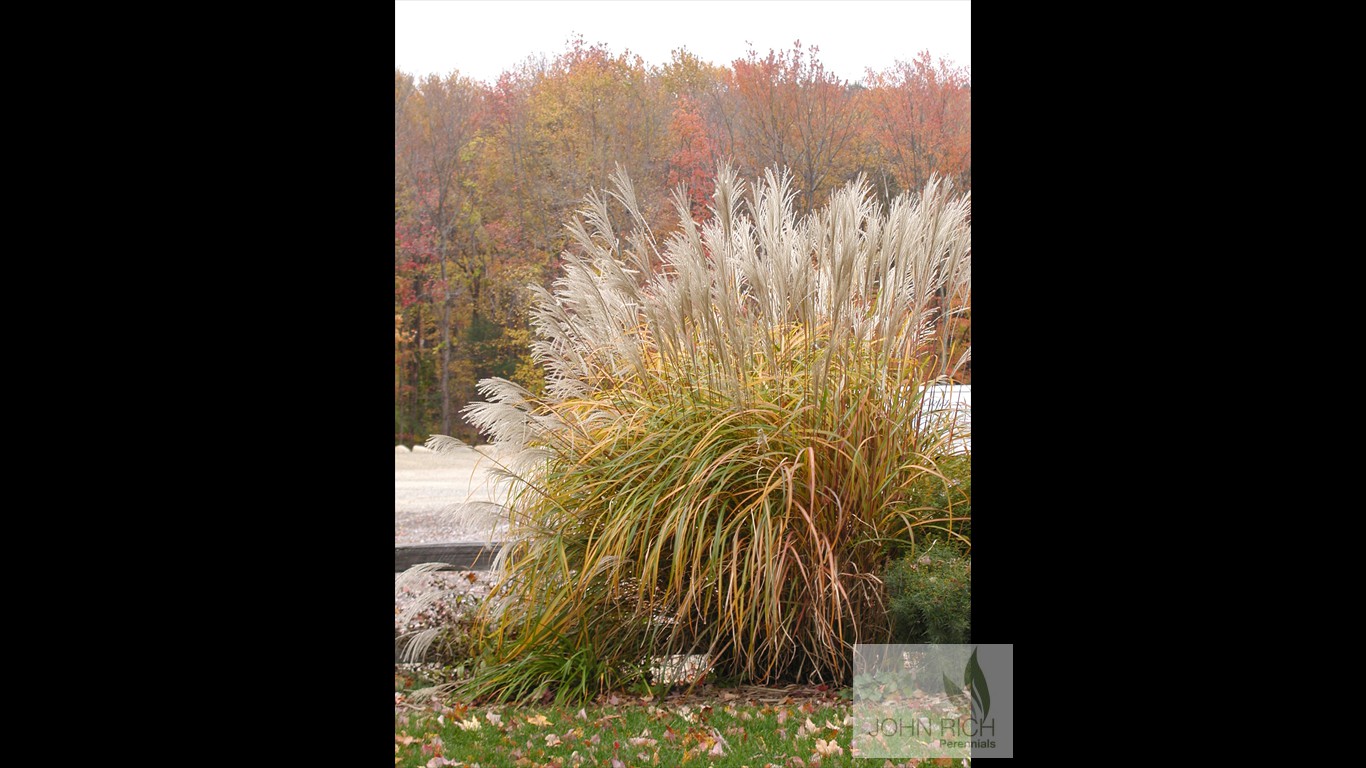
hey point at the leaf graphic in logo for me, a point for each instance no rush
(973, 676)
(953, 691)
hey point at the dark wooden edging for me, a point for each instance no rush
(458, 557)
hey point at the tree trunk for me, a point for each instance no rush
(445, 344)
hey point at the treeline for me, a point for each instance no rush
(486, 176)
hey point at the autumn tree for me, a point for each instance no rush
(793, 113)
(921, 121)
(434, 129)
(693, 161)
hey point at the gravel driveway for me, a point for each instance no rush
(446, 497)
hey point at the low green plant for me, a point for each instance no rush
(930, 596)
(730, 439)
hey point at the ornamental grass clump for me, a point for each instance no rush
(731, 441)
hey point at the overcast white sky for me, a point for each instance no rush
(483, 38)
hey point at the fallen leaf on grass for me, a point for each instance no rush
(404, 739)
(827, 748)
(582, 714)
(471, 724)
(716, 750)
(538, 720)
(551, 740)
(494, 719)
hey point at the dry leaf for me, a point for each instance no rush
(433, 747)
(538, 720)
(827, 748)
(551, 740)
(494, 719)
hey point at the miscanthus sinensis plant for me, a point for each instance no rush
(731, 439)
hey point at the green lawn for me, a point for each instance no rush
(749, 727)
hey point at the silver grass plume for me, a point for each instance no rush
(701, 308)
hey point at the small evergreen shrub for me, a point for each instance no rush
(931, 596)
